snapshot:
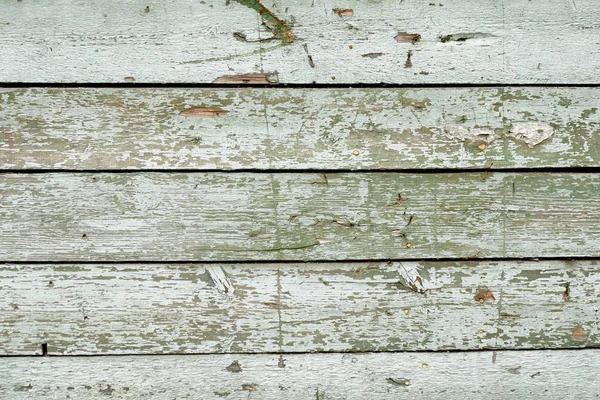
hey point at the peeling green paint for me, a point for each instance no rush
(278, 26)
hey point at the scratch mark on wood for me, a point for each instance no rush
(279, 319)
(399, 382)
(372, 55)
(462, 37)
(408, 63)
(203, 112)
(220, 279)
(278, 26)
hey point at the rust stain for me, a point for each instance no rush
(248, 79)
(579, 334)
(405, 37)
(483, 295)
(11, 140)
(203, 112)
(344, 12)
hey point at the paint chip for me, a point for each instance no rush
(129, 79)
(532, 132)
(234, 367)
(203, 112)
(579, 334)
(251, 387)
(249, 79)
(322, 241)
(483, 295)
(405, 37)
(344, 12)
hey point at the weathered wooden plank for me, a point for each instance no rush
(296, 216)
(296, 128)
(166, 309)
(489, 375)
(467, 41)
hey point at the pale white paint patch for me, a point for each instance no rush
(220, 279)
(532, 133)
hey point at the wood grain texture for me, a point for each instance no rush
(498, 375)
(296, 216)
(299, 128)
(466, 41)
(357, 307)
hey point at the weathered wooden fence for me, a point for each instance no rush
(299, 200)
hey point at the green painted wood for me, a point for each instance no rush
(297, 216)
(168, 128)
(256, 308)
(490, 375)
(297, 41)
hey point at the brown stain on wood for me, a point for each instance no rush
(247, 79)
(483, 295)
(203, 112)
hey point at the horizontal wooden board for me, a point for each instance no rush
(298, 41)
(91, 128)
(220, 216)
(489, 375)
(253, 308)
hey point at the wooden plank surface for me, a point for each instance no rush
(297, 41)
(297, 216)
(254, 308)
(91, 128)
(489, 375)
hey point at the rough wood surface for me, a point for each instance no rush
(219, 216)
(299, 128)
(299, 41)
(482, 375)
(358, 307)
